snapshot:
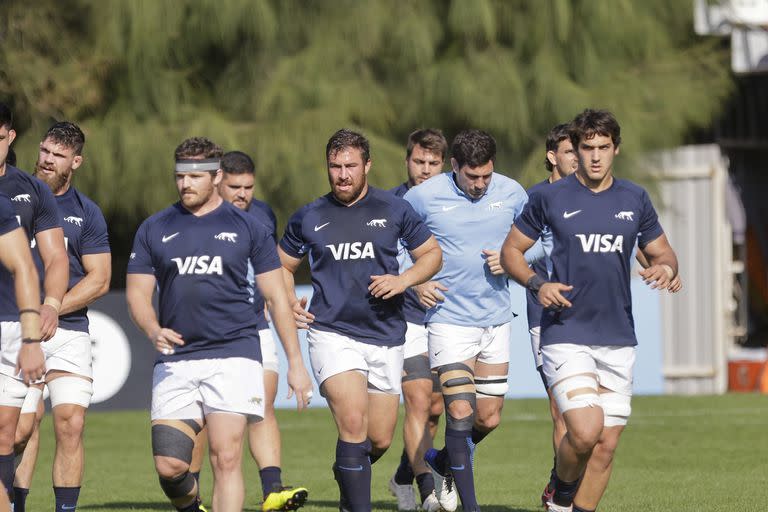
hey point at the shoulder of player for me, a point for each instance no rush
(626, 186)
(507, 184)
(87, 204)
(538, 187)
(434, 185)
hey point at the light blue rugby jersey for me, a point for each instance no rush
(464, 227)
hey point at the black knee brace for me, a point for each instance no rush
(457, 381)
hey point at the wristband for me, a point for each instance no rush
(27, 341)
(54, 303)
(535, 283)
(34, 311)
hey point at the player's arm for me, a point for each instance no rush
(17, 258)
(427, 261)
(53, 252)
(272, 287)
(290, 265)
(95, 283)
(513, 262)
(662, 262)
(138, 292)
(674, 286)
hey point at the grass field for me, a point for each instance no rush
(677, 454)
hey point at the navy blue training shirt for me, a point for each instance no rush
(85, 232)
(36, 211)
(593, 237)
(8, 220)
(412, 309)
(264, 214)
(346, 246)
(540, 266)
(201, 267)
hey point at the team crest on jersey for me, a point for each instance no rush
(199, 265)
(624, 215)
(495, 206)
(74, 220)
(601, 243)
(227, 237)
(377, 223)
(351, 250)
(22, 198)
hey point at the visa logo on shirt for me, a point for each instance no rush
(199, 265)
(351, 250)
(601, 243)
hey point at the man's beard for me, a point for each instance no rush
(55, 181)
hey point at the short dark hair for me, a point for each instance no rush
(6, 116)
(473, 148)
(237, 162)
(595, 122)
(348, 139)
(197, 147)
(555, 136)
(430, 139)
(68, 135)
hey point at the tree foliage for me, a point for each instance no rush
(275, 78)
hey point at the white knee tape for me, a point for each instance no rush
(616, 408)
(31, 400)
(491, 386)
(576, 392)
(70, 390)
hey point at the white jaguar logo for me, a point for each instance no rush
(26, 198)
(377, 223)
(624, 215)
(74, 220)
(227, 237)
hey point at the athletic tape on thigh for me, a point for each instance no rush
(169, 441)
(576, 392)
(616, 408)
(31, 400)
(416, 367)
(70, 390)
(457, 380)
(491, 386)
(178, 487)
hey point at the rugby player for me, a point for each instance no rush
(424, 158)
(68, 353)
(468, 210)
(37, 214)
(356, 323)
(209, 363)
(587, 332)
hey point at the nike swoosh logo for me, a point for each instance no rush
(559, 366)
(64, 507)
(356, 468)
(318, 228)
(568, 215)
(170, 237)
(457, 468)
(449, 208)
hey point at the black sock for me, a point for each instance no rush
(441, 460)
(20, 499)
(373, 457)
(354, 471)
(460, 447)
(404, 473)
(553, 473)
(270, 480)
(564, 492)
(192, 507)
(66, 497)
(7, 473)
(196, 474)
(575, 509)
(426, 484)
(478, 435)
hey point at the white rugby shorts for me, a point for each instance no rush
(456, 343)
(192, 389)
(67, 350)
(269, 358)
(416, 338)
(331, 353)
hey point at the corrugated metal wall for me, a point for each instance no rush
(696, 323)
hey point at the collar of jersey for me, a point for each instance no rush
(460, 192)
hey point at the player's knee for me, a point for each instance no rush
(436, 407)
(353, 422)
(70, 390)
(488, 420)
(584, 437)
(457, 381)
(69, 428)
(381, 444)
(417, 404)
(180, 488)
(225, 459)
(24, 430)
(169, 468)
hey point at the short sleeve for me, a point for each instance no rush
(95, 238)
(47, 214)
(293, 241)
(650, 229)
(532, 220)
(8, 220)
(414, 231)
(140, 261)
(263, 255)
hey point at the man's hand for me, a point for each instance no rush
(675, 285)
(551, 295)
(386, 286)
(49, 321)
(493, 260)
(429, 293)
(302, 317)
(31, 362)
(658, 276)
(165, 340)
(299, 384)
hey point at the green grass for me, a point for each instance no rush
(677, 454)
